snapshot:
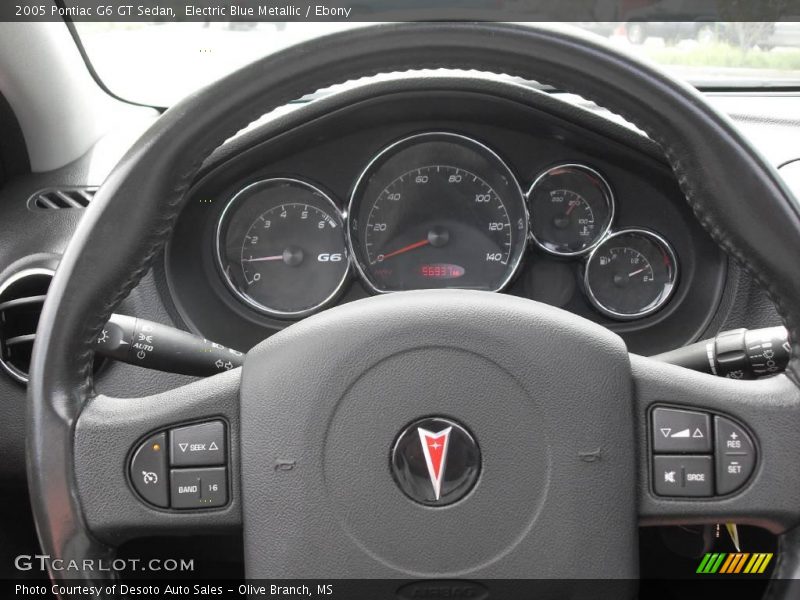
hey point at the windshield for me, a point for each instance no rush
(159, 63)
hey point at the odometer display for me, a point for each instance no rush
(437, 210)
(442, 271)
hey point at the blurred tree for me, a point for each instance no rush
(750, 23)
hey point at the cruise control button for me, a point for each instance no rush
(681, 431)
(685, 476)
(149, 470)
(196, 445)
(733, 472)
(735, 454)
(731, 439)
(199, 488)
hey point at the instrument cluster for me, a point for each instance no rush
(435, 210)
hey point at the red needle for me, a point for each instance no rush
(572, 206)
(413, 246)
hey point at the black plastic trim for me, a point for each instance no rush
(712, 412)
(167, 429)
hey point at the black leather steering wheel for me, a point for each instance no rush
(330, 394)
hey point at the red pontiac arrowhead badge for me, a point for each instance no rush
(435, 461)
(434, 447)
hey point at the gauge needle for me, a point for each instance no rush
(264, 258)
(733, 531)
(413, 246)
(637, 271)
(572, 206)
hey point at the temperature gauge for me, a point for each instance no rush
(572, 208)
(631, 274)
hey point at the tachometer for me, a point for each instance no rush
(437, 210)
(281, 247)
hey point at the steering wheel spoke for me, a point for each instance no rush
(162, 464)
(716, 450)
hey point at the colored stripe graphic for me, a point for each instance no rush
(702, 567)
(765, 562)
(711, 562)
(730, 564)
(753, 564)
(715, 566)
(740, 562)
(734, 563)
(727, 564)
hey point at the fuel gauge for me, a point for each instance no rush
(631, 274)
(571, 208)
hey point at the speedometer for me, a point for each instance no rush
(437, 210)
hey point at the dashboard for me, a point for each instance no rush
(449, 183)
(329, 140)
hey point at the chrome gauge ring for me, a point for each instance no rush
(281, 247)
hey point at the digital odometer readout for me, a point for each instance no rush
(442, 271)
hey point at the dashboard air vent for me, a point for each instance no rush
(77, 197)
(21, 299)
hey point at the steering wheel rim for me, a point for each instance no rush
(702, 147)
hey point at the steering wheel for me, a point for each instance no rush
(563, 459)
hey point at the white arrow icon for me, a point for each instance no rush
(697, 433)
(183, 447)
(213, 446)
(665, 431)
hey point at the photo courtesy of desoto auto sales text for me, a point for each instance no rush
(400, 299)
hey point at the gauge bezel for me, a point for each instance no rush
(226, 214)
(513, 270)
(610, 198)
(660, 241)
